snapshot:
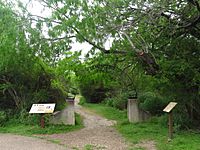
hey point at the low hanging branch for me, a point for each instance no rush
(97, 46)
(147, 59)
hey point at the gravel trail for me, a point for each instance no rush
(98, 134)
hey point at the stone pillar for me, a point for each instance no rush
(70, 113)
(135, 114)
(133, 111)
(65, 116)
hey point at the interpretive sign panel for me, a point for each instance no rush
(42, 108)
(169, 107)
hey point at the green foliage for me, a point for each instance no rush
(88, 147)
(92, 84)
(3, 118)
(152, 103)
(82, 101)
(118, 101)
(25, 75)
(78, 120)
(24, 127)
(99, 78)
(24, 118)
(166, 31)
(93, 93)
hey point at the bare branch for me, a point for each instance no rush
(60, 38)
(95, 45)
(44, 19)
(192, 24)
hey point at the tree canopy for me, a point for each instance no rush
(25, 75)
(154, 48)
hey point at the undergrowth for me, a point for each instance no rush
(14, 126)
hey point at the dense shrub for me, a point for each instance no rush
(92, 92)
(82, 100)
(119, 101)
(151, 102)
(25, 73)
(3, 118)
(25, 118)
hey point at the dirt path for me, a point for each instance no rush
(98, 134)
(17, 142)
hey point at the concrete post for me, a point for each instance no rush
(70, 113)
(133, 111)
(66, 116)
(135, 114)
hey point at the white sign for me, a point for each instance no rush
(169, 107)
(42, 108)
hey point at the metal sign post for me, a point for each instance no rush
(42, 109)
(169, 109)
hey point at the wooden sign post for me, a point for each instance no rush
(169, 109)
(42, 122)
(42, 109)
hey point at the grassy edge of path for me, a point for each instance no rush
(15, 127)
(154, 129)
